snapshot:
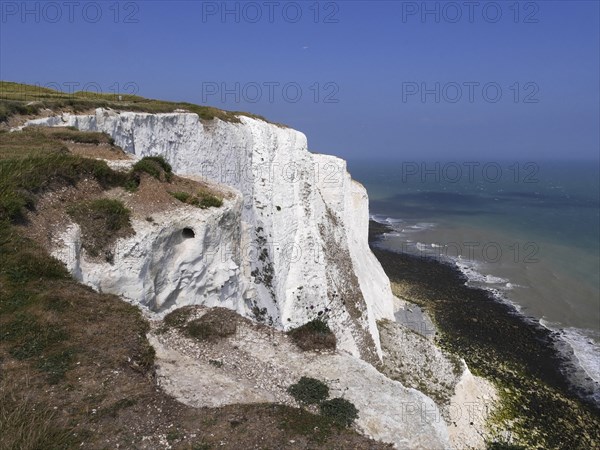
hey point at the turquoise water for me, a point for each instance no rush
(529, 232)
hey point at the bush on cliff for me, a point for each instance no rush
(309, 391)
(215, 324)
(314, 335)
(340, 411)
(155, 166)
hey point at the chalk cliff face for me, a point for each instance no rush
(183, 256)
(298, 233)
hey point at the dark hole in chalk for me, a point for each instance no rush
(188, 233)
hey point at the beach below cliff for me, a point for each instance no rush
(546, 401)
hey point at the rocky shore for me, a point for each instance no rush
(540, 407)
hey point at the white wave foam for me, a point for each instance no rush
(586, 349)
(584, 343)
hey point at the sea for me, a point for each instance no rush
(529, 232)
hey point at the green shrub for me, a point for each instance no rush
(309, 391)
(183, 197)
(155, 166)
(314, 335)
(340, 411)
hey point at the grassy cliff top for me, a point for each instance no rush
(26, 99)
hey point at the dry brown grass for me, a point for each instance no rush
(215, 324)
(313, 335)
(27, 425)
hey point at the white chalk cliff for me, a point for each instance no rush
(289, 243)
(292, 243)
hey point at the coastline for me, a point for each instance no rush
(540, 405)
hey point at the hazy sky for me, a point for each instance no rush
(445, 80)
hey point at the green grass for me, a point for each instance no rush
(201, 199)
(22, 178)
(155, 166)
(74, 135)
(100, 221)
(17, 98)
(29, 143)
(112, 212)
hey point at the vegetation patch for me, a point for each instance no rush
(217, 323)
(22, 179)
(200, 199)
(155, 166)
(24, 99)
(72, 134)
(337, 412)
(178, 318)
(314, 335)
(102, 221)
(309, 391)
(340, 411)
(316, 428)
(215, 362)
(29, 337)
(27, 424)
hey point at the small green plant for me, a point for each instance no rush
(183, 197)
(309, 391)
(155, 166)
(314, 335)
(340, 411)
(173, 435)
(132, 184)
(209, 200)
(201, 199)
